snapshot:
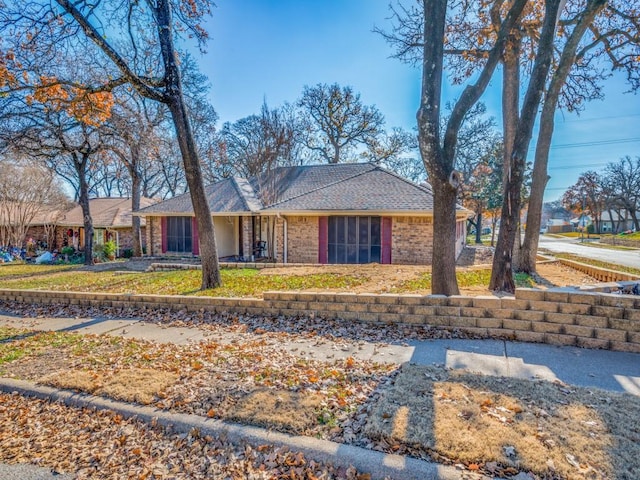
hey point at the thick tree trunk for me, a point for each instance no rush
(443, 276)
(479, 228)
(502, 271)
(193, 173)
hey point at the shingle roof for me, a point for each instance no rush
(365, 188)
(309, 188)
(225, 196)
(105, 213)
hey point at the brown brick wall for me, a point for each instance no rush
(302, 239)
(153, 234)
(412, 242)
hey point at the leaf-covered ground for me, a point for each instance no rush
(101, 444)
(486, 424)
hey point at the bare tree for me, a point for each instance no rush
(419, 36)
(338, 121)
(26, 189)
(625, 176)
(147, 59)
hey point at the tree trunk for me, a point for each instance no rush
(193, 173)
(529, 250)
(81, 169)
(136, 194)
(443, 271)
(479, 228)
(502, 271)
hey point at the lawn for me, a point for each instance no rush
(19, 269)
(241, 282)
(236, 282)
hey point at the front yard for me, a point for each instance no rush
(245, 282)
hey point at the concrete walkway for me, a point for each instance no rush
(608, 370)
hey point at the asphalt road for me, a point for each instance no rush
(629, 258)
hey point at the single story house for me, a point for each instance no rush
(617, 221)
(111, 217)
(342, 213)
(54, 228)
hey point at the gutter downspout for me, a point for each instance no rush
(286, 242)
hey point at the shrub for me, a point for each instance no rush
(109, 249)
(127, 253)
(67, 251)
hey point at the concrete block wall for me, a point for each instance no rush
(601, 274)
(590, 320)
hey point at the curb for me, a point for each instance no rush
(378, 464)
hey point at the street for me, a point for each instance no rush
(629, 258)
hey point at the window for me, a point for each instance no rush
(179, 235)
(354, 240)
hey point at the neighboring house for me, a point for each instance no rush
(558, 225)
(616, 222)
(342, 213)
(111, 219)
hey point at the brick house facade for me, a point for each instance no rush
(349, 213)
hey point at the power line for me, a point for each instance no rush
(593, 119)
(569, 167)
(593, 144)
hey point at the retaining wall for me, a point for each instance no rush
(601, 274)
(557, 317)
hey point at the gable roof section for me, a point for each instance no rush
(227, 196)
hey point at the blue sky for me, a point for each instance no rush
(271, 49)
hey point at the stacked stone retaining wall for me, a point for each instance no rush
(590, 320)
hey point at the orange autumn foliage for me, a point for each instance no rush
(91, 108)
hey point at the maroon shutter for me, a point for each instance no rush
(163, 231)
(323, 236)
(386, 240)
(195, 240)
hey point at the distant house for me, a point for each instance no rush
(559, 225)
(55, 228)
(342, 213)
(616, 222)
(111, 219)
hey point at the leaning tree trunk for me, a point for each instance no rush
(193, 173)
(502, 271)
(529, 250)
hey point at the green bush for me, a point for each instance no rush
(67, 251)
(109, 249)
(127, 253)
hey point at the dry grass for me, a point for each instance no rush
(132, 385)
(285, 410)
(496, 424)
